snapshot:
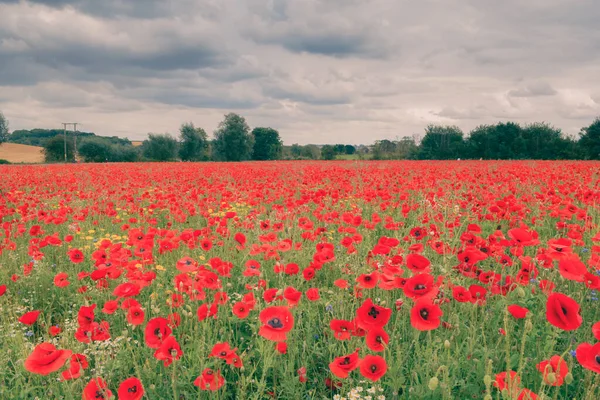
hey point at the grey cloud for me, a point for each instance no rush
(473, 113)
(534, 90)
(344, 67)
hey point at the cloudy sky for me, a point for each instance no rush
(319, 71)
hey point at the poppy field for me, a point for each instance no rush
(300, 280)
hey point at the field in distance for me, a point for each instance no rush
(21, 153)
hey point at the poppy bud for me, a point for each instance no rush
(487, 397)
(447, 344)
(433, 383)
(520, 292)
(528, 325)
(569, 378)
(487, 380)
(551, 378)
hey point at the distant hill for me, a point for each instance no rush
(21, 153)
(38, 137)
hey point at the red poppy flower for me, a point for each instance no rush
(222, 350)
(46, 358)
(292, 296)
(368, 281)
(110, 307)
(377, 339)
(186, 264)
(342, 329)
(73, 372)
(96, 389)
(277, 322)
(131, 389)
(342, 366)
(240, 238)
(514, 381)
(30, 317)
(517, 311)
(341, 283)
(281, 347)
(596, 330)
(559, 248)
(76, 256)
(54, 330)
(2, 290)
(373, 367)
(241, 310)
(572, 268)
(417, 263)
(461, 294)
(156, 331)
(555, 366)
(135, 315)
(370, 315)
(80, 360)
(86, 316)
(312, 294)
(210, 380)
(308, 273)
(478, 294)
(168, 351)
(425, 315)
(589, 356)
(563, 312)
(126, 290)
(419, 285)
(61, 280)
(527, 394)
(205, 311)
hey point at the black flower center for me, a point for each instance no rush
(373, 312)
(424, 314)
(420, 286)
(275, 323)
(132, 389)
(373, 368)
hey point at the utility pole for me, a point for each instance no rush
(74, 135)
(75, 141)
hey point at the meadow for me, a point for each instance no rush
(300, 280)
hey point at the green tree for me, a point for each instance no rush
(339, 148)
(589, 143)
(508, 140)
(296, 151)
(442, 143)
(54, 149)
(349, 149)
(233, 141)
(160, 147)
(193, 144)
(328, 152)
(3, 128)
(267, 144)
(124, 153)
(95, 150)
(311, 152)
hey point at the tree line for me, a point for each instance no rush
(233, 140)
